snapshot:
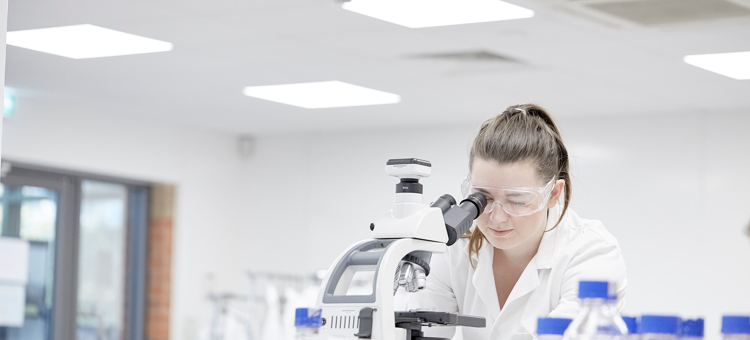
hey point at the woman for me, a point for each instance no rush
(527, 253)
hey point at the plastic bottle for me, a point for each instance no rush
(551, 328)
(308, 322)
(598, 318)
(735, 327)
(692, 329)
(632, 324)
(659, 327)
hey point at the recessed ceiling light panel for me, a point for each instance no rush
(322, 95)
(733, 65)
(85, 41)
(430, 13)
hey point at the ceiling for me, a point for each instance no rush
(575, 66)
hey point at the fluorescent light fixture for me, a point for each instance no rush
(733, 65)
(85, 41)
(430, 13)
(322, 94)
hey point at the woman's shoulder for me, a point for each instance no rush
(578, 239)
(584, 249)
(576, 229)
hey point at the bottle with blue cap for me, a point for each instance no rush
(659, 327)
(551, 328)
(308, 322)
(598, 318)
(632, 324)
(692, 329)
(735, 327)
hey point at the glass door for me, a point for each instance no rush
(86, 238)
(30, 214)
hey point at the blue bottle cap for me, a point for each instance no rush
(735, 324)
(552, 325)
(307, 317)
(659, 324)
(595, 290)
(692, 328)
(632, 324)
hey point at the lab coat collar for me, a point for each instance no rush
(484, 283)
(529, 280)
(546, 251)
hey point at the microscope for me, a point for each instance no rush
(397, 256)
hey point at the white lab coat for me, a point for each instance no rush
(577, 249)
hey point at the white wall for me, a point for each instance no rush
(672, 189)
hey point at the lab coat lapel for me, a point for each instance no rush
(528, 281)
(484, 282)
(510, 319)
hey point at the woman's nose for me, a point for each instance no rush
(498, 214)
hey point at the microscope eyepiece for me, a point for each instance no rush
(444, 202)
(478, 200)
(459, 218)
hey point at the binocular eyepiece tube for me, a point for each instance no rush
(458, 218)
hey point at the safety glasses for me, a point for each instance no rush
(516, 201)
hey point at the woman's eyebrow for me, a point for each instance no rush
(509, 194)
(482, 190)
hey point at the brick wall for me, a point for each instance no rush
(159, 262)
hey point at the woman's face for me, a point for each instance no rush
(504, 231)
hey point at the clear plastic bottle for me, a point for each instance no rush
(659, 327)
(735, 327)
(692, 329)
(598, 318)
(551, 328)
(308, 322)
(632, 324)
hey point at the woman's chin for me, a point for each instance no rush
(502, 242)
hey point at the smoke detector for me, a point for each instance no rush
(462, 63)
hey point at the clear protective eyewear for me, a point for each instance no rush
(516, 201)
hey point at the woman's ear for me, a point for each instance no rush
(557, 190)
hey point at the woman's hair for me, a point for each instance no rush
(522, 133)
